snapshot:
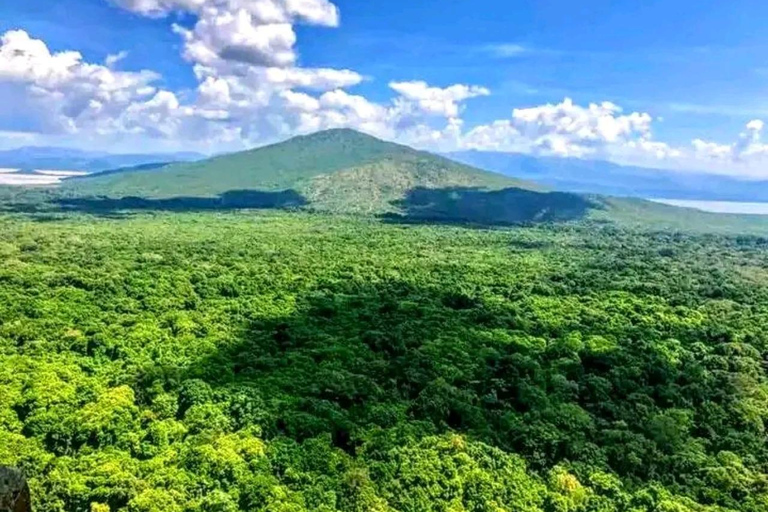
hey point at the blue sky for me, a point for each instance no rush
(697, 72)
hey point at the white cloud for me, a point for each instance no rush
(409, 118)
(157, 8)
(243, 56)
(749, 147)
(319, 12)
(500, 135)
(222, 39)
(712, 150)
(59, 92)
(232, 32)
(114, 58)
(241, 103)
(251, 90)
(434, 100)
(320, 79)
(506, 50)
(570, 130)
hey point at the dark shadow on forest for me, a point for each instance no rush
(351, 358)
(112, 207)
(348, 359)
(467, 205)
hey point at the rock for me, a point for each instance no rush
(14, 491)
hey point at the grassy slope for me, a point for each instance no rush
(372, 188)
(647, 215)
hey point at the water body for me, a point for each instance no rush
(38, 177)
(719, 206)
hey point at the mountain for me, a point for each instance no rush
(34, 157)
(601, 177)
(344, 171)
(335, 170)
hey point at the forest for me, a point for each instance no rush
(274, 361)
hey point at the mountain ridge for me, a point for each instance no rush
(68, 159)
(608, 178)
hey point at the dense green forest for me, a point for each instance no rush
(288, 362)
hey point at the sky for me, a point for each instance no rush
(672, 84)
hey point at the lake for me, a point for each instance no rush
(718, 206)
(37, 177)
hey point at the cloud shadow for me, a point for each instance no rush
(466, 205)
(112, 207)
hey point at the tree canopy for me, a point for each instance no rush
(293, 362)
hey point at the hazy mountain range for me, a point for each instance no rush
(34, 157)
(601, 177)
(258, 166)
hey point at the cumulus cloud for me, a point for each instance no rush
(748, 148)
(250, 89)
(243, 55)
(320, 79)
(59, 92)
(570, 130)
(420, 114)
(320, 12)
(434, 100)
(232, 32)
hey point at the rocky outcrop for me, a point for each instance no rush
(14, 491)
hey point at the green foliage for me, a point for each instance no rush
(296, 362)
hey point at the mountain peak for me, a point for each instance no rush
(339, 132)
(344, 137)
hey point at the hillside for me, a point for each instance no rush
(339, 170)
(607, 178)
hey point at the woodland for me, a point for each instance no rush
(275, 361)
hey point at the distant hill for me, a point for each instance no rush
(336, 170)
(600, 177)
(131, 168)
(34, 157)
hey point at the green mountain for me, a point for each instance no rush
(344, 171)
(335, 170)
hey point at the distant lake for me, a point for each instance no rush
(719, 206)
(37, 177)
